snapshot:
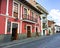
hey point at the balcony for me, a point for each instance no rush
(29, 18)
(44, 21)
(44, 25)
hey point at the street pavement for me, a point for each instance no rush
(52, 41)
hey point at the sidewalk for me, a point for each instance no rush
(22, 41)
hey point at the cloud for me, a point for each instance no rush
(54, 14)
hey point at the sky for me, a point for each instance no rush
(53, 8)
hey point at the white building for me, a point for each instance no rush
(57, 28)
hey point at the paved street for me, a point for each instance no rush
(46, 42)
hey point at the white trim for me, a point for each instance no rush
(29, 21)
(41, 26)
(30, 28)
(21, 27)
(6, 26)
(45, 32)
(18, 8)
(15, 23)
(18, 28)
(7, 7)
(35, 27)
(7, 16)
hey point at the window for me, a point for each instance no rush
(44, 25)
(25, 11)
(36, 16)
(32, 14)
(8, 26)
(44, 17)
(15, 10)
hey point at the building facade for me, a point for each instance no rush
(19, 19)
(44, 20)
(51, 27)
(57, 29)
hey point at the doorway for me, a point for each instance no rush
(37, 32)
(28, 31)
(43, 32)
(14, 31)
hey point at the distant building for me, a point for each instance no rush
(51, 27)
(44, 20)
(57, 29)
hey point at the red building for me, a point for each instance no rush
(19, 19)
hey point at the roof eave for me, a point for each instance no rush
(30, 5)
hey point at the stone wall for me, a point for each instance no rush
(7, 37)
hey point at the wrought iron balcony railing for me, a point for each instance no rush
(29, 18)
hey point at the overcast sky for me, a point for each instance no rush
(53, 7)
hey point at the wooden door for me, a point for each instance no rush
(14, 32)
(28, 31)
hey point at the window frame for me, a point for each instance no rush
(8, 27)
(15, 7)
(24, 11)
(32, 13)
(18, 9)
